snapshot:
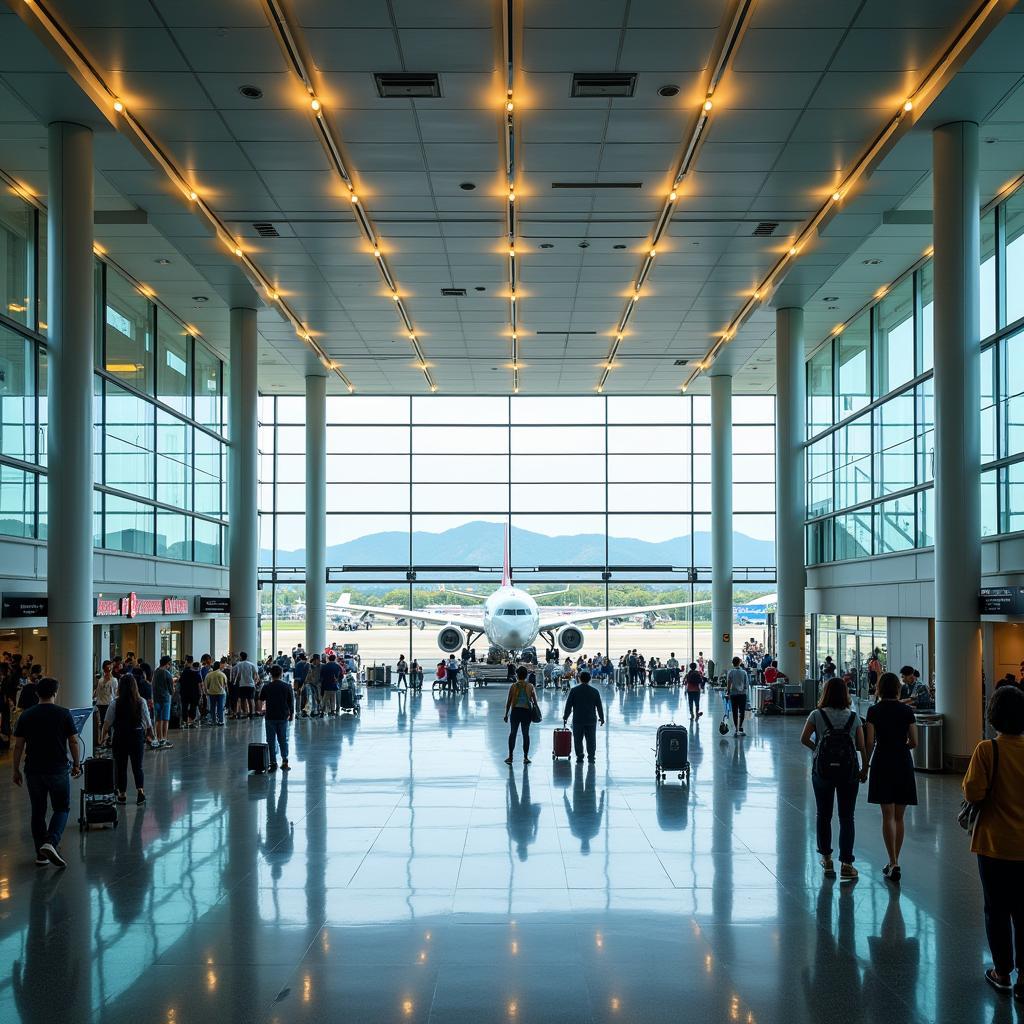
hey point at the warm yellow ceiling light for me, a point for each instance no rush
(836, 196)
(511, 196)
(315, 105)
(119, 106)
(653, 253)
(510, 106)
(908, 105)
(354, 198)
(238, 252)
(672, 196)
(707, 106)
(792, 250)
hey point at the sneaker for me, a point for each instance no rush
(49, 851)
(285, 766)
(165, 744)
(526, 760)
(154, 744)
(700, 714)
(141, 798)
(741, 733)
(828, 867)
(508, 760)
(272, 767)
(1000, 984)
(121, 798)
(847, 872)
(896, 873)
(41, 859)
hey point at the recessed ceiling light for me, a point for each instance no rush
(871, 262)
(833, 307)
(619, 246)
(200, 298)
(830, 298)
(546, 245)
(251, 92)
(163, 261)
(583, 245)
(467, 186)
(668, 90)
(990, 142)
(480, 288)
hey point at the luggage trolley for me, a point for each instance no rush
(671, 752)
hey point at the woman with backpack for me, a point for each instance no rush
(128, 715)
(891, 735)
(836, 772)
(995, 780)
(522, 698)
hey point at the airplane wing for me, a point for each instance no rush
(407, 613)
(612, 613)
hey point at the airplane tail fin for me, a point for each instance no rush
(506, 572)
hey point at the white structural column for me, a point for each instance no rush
(723, 642)
(70, 430)
(957, 437)
(243, 475)
(790, 431)
(316, 513)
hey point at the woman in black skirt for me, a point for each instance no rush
(891, 734)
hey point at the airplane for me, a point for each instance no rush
(510, 619)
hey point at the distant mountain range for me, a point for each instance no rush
(480, 543)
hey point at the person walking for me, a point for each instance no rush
(522, 696)
(995, 779)
(403, 671)
(584, 704)
(216, 683)
(890, 736)
(875, 671)
(833, 732)
(737, 686)
(244, 677)
(190, 688)
(325, 696)
(163, 696)
(693, 681)
(102, 695)
(633, 666)
(49, 733)
(279, 701)
(128, 717)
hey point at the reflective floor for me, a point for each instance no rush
(402, 872)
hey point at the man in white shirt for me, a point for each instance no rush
(244, 677)
(737, 686)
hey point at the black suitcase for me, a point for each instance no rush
(259, 757)
(175, 720)
(672, 748)
(98, 776)
(662, 677)
(347, 701)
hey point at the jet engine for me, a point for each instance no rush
(451, 639)
(569, 639)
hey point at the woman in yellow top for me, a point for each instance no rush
(522, 695)
(998, 838)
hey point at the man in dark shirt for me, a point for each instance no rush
(584, 704)
(330, 683)
(163, 697)
(693, 683)
(279, 704)
(48, 730)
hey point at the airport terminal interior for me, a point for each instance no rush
(390, 348)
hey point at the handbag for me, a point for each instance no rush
(970, 811)
(535, 712)
(723, 725)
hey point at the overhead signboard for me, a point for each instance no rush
(19, 606)
(214, 605)
(1001, 600)
(131, 605)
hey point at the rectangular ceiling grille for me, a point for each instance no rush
(766, 227)
(614, 83)
(265, 229)
(402, 85)
(454, 292)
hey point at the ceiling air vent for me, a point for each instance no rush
(265, 229)
(613, 83)
(765, 228)
(454, 292)
(681, 362)
(403, 84)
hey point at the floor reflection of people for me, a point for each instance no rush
(737, 774)
(523, 815)
(128, 900)
(894, 966)
(584, 813)
(278, 845)
(834, 980)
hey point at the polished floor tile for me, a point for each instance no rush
(402, 872)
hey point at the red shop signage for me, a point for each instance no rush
(132, 605)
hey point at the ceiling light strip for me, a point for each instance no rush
(296, 55)
(92, 82)
(508, 120)
(726, 49)
(909, 111)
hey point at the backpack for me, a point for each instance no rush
(835, 757)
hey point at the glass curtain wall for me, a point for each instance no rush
(159, 411)
(607, 500)
(871, 415)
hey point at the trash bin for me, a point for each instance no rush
(928, 752)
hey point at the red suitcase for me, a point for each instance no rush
(562, 743)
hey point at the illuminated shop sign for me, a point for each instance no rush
(131, 605)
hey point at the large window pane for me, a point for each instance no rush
(925, 398)
(368, 540)
(129, 442)
(173, 373)
(643, 440)
(128, 526)
(208, 474)
(895, 525)
(546, 469)
(207, 383)
(649, 540)
(362, 409)
(1013, 212)
(17, 502)
(989, 504)
(666, 497)
(173, 535)
(853, 348)
(853, 463)
(894, 340)
(1013, 504)
(17, 395)
(562, 410)
(209, 542)
(648, 408)
(853, 535)
(894, 444)
(926, 282)
(1013, 406)
(128, 333)
(530, 440)
(173, 461)
(988, 405)
(820, 477)
(819, 390)
(16, 232)
(753, 540)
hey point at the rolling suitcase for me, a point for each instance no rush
(561, 744)
(259, 757)
(96, 801)
(671, 752)
(662, 677)
(347, 701)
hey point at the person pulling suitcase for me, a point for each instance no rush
(584, 704)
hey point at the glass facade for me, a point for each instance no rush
(871, 410)
(158, 424)
(604, 491)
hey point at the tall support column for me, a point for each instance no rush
(70, 431)
(316, 513)
(790, 505)
(723, 641)
(957, 437)
(243, 475)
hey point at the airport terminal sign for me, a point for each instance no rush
(131, 605)
(1001, 600)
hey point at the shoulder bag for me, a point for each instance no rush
(970, 811)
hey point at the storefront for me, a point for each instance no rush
(850, 641)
